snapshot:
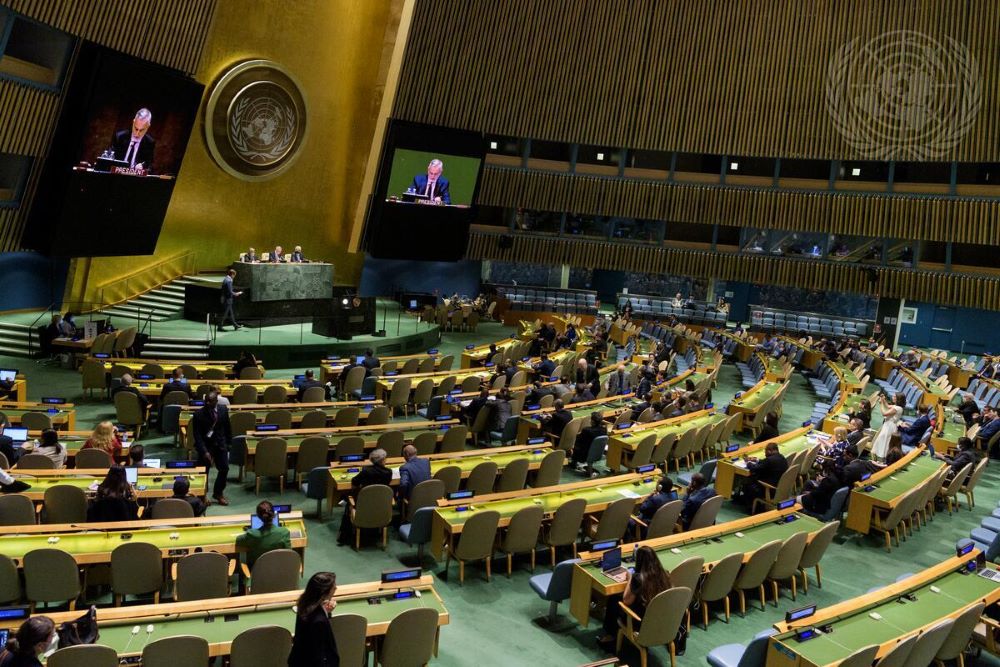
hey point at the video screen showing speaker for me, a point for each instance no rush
(425, 193)
(117, 149)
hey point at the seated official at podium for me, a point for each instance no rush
(250, 256)
(277, 255)
(134, 145)
(432, 185)
(297, 257)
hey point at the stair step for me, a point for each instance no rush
(166, 298)
(13, 351)
(175, 346)
(19, 334)
(167, 354)
(130, 314)
(151, 306)
(179, 339)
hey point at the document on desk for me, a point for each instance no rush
(739, 463)
(628, 493)
(395, 473)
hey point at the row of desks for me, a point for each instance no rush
(152, 483)
(62, 415)
(168, 365)
(239, 614)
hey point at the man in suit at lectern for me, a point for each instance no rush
(227, 297)
(277, 255)
(134, 145)
(432, 185)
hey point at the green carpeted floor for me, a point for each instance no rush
(495, 623)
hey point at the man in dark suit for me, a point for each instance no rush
(177, 382)
(854, 468)
(414, 471)
(698, 492)
(764, 471)
(7, 447)
(966, 455)
(587, 374)
(126, 386)
(136, 146)
(991, 371)
(477, 404)
(856, 431)
(213, 436)
(250, 256)
(989, 428)
(545, 366)
(581, 394)
(227, 297)
(912, 433)
(311, 381)
(619, 382)
(297, 257)
(581, 448)
(277, 255)
(432, 185)
(374, 473)
(370, 361)
(555, 421)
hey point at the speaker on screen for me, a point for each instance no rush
(114, 158)
(425, 192)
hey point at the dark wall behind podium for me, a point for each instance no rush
(30, 280)
(382, 277)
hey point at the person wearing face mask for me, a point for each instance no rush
(314, 644)
(35, 637)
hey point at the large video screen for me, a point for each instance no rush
(115, 156)
(425, 193)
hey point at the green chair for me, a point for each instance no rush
(423, 393)
(16, 510)
(754, 573)
(471, 383)
(522, 534)
(426, 442)
(642, 455)
(446, 385)
(35, 462)
(451, 476)
(10, 581)
(94, 376)
(612, 523)
(514, 476)
(347, 416)
(263, 646)
(378, 415)
(4, 463)
(275, 571)
(958, 638)
(84, 655)
(350, 445)
(664, 522)
(482, 478)
(475, 542)
(863, 657)
(706, 514)
(929, 642)
(314, 452)
(899, 654)
(814, 551)
(172, 508)
(663, 617)
(550, 469)
(349, 632)
(786, 566)
(411, 639)
(244, 394)
(136, 569)
(270, 460)
(51, 575)
(454, 439)
(92, 459)
(481, 425)
(37, 421)
(564, 527)
(426, 365)
(202, 576)
(718, 583)
(424, 494)
(252, 373)
(313, 419)
(129, 412)
(242, 422)
(281, 418)
(275, 393)
(353, 381)
(371, 510)
(392, 442)
(410, 366)
(174, 651)
(65, 504)
(446, 362)
(399, 396)
(314, 395)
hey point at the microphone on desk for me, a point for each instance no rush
(135, 631)
(93, 528)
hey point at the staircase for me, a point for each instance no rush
(14, 340)
(162, 303)
(165, 347)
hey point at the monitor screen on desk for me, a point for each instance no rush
(18, 435)
(8, 374)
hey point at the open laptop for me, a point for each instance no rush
(8, 374)
(18, 435)
(611, 565)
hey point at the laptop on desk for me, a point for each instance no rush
(611, 565)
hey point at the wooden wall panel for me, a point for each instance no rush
(896, 216)
(741, 77)
(168, 33)
(942, 288)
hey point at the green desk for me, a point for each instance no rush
(891, 483)
(627, 440)
(157, 483)
(476, 356)
(838, 415)
(713, 544)
(89, 544)
(528, 426)
(933, 393)
(950, 427)
(342, 474)
(754, 399)
(849, 380)
(63, 417)
(660, 391)
(599, 493)
(298, 410)
(854, 628)
(383, 386)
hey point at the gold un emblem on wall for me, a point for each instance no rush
(255, 120)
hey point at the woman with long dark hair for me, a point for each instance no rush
(31, 640)
(314, 644)
(647, 581)
(115, 499)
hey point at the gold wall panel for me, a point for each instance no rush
(935, 218)
(739, 77)
(335, 50)
(942, 288)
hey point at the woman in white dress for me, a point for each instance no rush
(892, 413)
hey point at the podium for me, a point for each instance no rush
(284, 282)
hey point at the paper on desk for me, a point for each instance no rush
(628, 494)
(740, 463)
(395, 473)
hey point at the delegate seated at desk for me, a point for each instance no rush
(432, 185)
